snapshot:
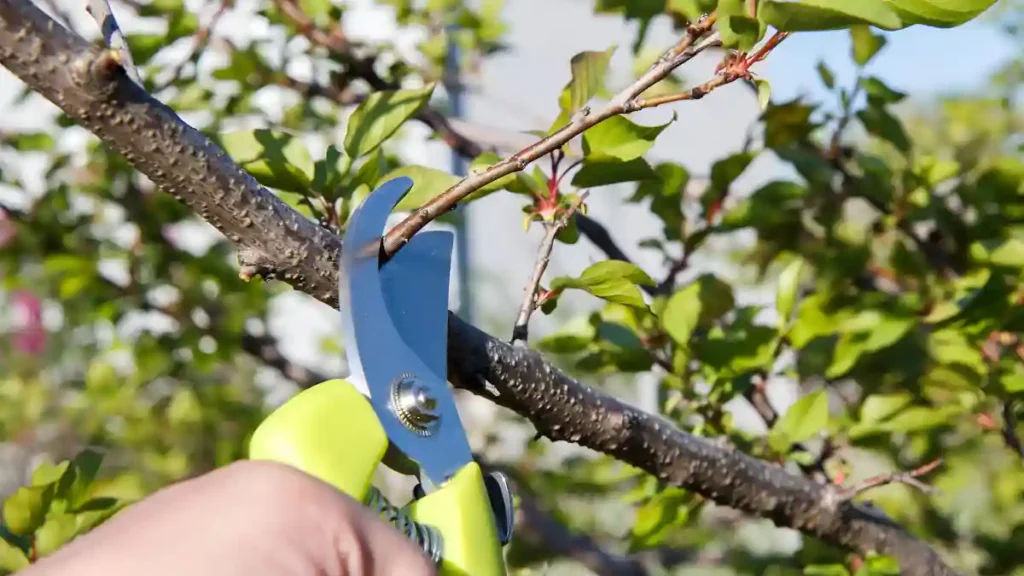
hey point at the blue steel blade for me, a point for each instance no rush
(378, 350)
(415, 284)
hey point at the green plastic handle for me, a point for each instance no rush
(331, 432)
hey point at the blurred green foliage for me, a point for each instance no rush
(895, 254)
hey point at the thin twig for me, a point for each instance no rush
(1010, 429)
(729, 73)
(910, 478)
(202, 40)
(623, 103)
(521, 329)
(101, 11)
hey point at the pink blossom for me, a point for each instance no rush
(30, 338)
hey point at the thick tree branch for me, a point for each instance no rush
(89, 85)
(566, 410)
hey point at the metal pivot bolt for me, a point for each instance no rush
(414, 405)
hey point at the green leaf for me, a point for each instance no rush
(1012, 380)
(704, 300)
(725, 171)
(666, 512)
(879, 565)
(935, 170)
(764, 93)
(826, 75)
(879, 407)
(920, 418)
(101, 375)
(329, 172)
(849, 348)
(880, 123)
(817, 15)
(29, 141)
(773, 205)
(738, 29)
(789, 285)
(184, 408)
(787, 123)
(25, 510)
(1007, 253)
(880, 94)
(666, 194)
(692, 10)
(612, 280)
(940, 13)
(741, 347)
(319, 11)
(86, 466)
(573, 337)
(589, 69)
(604, 171)
(865, 44)
(55, 533)
(145, 46)
(887, 332)
(380, 115)
(826, 570)
(276, 159)
(11, 558)
(427, 183)
(620, 138)
(805, 419)
(47, 473)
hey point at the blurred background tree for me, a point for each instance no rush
(896, 250)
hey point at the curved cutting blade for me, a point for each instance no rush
(392, 316)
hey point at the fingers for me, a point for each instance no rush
(361, 543)
(376, 548)
(246, 518)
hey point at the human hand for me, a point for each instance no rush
(248, 518)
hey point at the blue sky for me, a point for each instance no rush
(920, 60)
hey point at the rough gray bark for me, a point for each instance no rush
(274, 241)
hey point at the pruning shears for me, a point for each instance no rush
(395, 408)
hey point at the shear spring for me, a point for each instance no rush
(426, 537)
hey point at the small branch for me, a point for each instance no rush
(266, 350)
(669, 283)
(910, 478)
(101, 11)
(1009, 429)
(335, 40)
(622, 103)
(730, 72)
(340, 47)
(202, 40)
(521, 329)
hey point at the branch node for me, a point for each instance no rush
(520, 331)
(909, 478)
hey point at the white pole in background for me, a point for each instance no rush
(453, 86)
